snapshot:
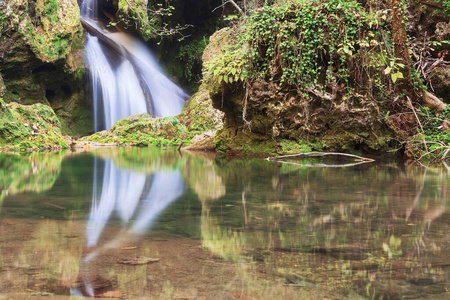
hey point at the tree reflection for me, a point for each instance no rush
(28, 172)
(360, 223)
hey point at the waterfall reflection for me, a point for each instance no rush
(136, 198)
(130, 193)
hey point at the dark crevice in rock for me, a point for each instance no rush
(44, 68)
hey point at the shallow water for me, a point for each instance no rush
(219, 228)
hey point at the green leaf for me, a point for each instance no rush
(396, 76)
(387, 70)
(225, 78)
(345, 48)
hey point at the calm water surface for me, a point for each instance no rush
(148, 223)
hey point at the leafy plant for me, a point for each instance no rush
(309, 44)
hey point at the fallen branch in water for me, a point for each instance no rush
(361, 160)
(315, 154)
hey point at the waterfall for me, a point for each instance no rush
(125, 76)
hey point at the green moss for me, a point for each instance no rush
(52, 28)
(29, 127)
(230, 141)
(293, 147)
(198, 115)
(143, 130)
(135, 14)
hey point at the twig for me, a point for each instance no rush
(220, 6)
(446, 166)
(237, 7)
(322, 165)
(234, 4)
(445, 154)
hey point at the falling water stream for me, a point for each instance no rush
(125, 76)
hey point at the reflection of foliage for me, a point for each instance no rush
(394, 247)
(32, 172)
(367, 220)
(146, 160)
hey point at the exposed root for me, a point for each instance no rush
(418, 121)
(244, 110)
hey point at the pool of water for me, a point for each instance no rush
(151, 223)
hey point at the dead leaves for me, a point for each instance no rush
(139, 260)
(129, 248)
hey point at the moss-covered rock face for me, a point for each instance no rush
(440, 78)
(2, 86)
(198, 114)
(277, 94)
(48, 27)
(29, 127)
(142, 130)
(41, 44)
(134, 14)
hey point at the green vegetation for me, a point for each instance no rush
(3, 18)
(29, 127)
(189, 55)
(433, 142)
(309, 45)
(52, 29)
(143, 130)
(30, 172)
(446, 5)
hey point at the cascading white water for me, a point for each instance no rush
(126, 83)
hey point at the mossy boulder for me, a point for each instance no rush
(48, 27)
(41, 59)
(198, 114)
(142, 130)
(197, 119)
(440, 78)
(270, 102)
(29, 127)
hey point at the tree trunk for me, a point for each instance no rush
(401, 49)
